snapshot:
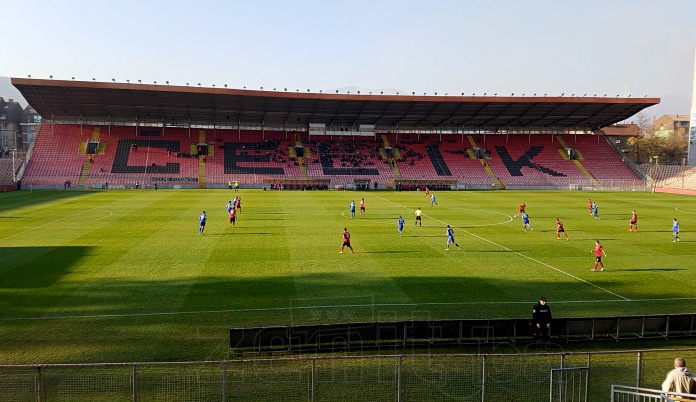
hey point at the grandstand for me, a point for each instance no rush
(125, 156)
(99, 134)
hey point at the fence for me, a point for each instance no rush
(463, 377)
(361, 336)
(620, 393)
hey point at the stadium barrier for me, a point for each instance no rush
(621, 393)
(557, 376)
(358, 336)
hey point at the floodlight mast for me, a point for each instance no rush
(691, 152)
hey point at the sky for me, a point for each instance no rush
(613, 47)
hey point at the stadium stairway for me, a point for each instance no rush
(302, 161)
(395, 153)
(484, 164)
(202, 162)
(89, 161)
(397, 172)
(577, 161)
(301, 165)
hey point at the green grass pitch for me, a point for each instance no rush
(123, 275)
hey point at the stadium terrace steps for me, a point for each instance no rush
(578, 163)
(250, 157)
(202, 159)
(392, 157)
(89, 161)
(302, 166)
(397, 172)
(84, 173)
(670, 176)
(55, 158)
(601, 160)
(201, 172)
(484, 164)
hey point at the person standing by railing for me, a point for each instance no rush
(541, 319)
(680, 380)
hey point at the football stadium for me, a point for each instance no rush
(170, 242)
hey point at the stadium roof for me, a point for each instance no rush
(199, 105)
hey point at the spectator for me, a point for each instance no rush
(680, 380)
(541, 318)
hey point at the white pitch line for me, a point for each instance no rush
(60, 219)
(518, 253)
(255, 310)
(685, 212)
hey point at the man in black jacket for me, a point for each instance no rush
(541, 318)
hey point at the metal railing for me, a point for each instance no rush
(568, 377)
(364, 335)
(622, 393)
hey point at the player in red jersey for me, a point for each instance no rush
(560, 229)
(362, 206)
(589, 205)
(521, 209)
(346, 241)
(233, 216)
(598, 251)
(634, 222)
(427, 192)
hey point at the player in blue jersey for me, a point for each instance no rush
(202, 220)
(400, 226)
(595, 212)
(525, 221)
(675, 230)
(432, 200)
(229, 206)
(450, 238)
(352, 209)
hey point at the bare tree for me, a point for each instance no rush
(645, 124)
(645, 147)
